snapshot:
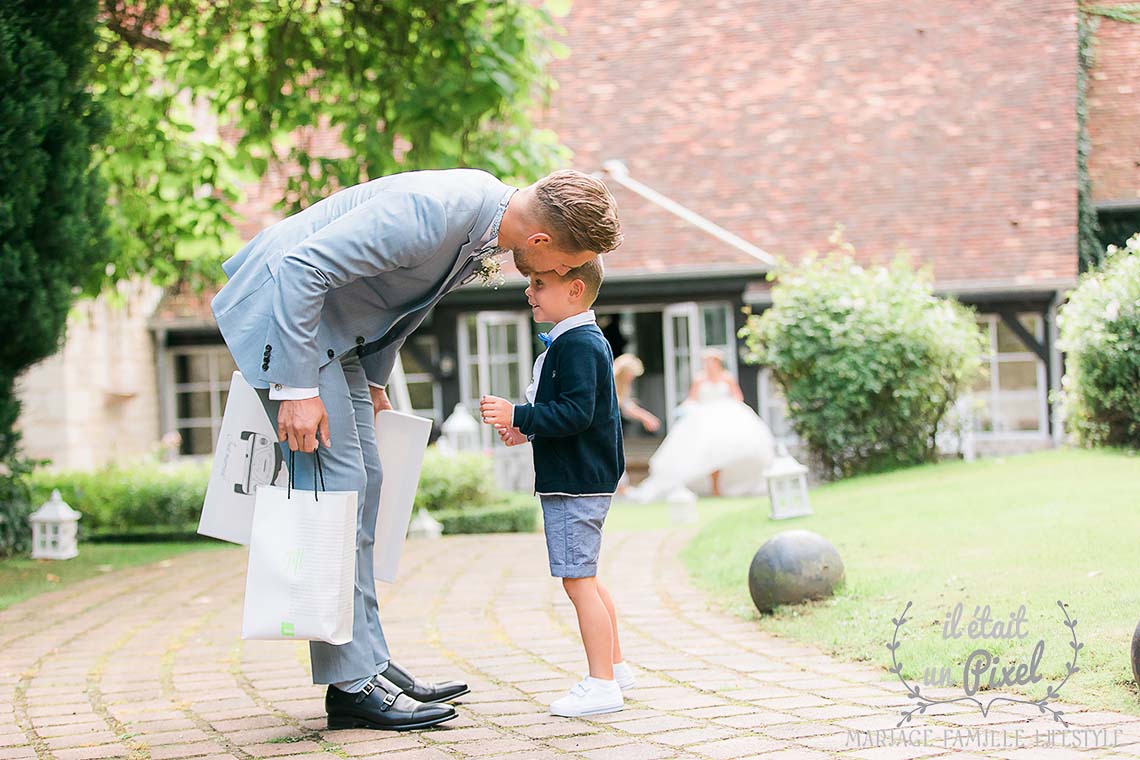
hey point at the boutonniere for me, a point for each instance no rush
(490, 268)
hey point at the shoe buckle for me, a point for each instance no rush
(368, 688)
(389, 700)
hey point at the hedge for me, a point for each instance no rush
(154, 502)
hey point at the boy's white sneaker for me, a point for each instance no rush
(623, 674)
(590, 696)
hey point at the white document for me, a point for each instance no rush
(246, 456)
(401, 440)
(302, 566)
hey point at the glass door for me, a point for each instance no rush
(494, 358)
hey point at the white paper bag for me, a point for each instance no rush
(302, 566)
(401, 440)
(247, 456)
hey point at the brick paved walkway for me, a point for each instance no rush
(147, 663)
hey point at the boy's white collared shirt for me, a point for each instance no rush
(585, 318)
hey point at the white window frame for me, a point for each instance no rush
(436, 410)
(994, 395)
(694, 312)
(485, 321)
(215, 386)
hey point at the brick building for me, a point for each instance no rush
(948, 129)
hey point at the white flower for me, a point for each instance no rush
(490, 269)
(1112, 311)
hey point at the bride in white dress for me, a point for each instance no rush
(717, 445)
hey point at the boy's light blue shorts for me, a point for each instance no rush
(573, 527)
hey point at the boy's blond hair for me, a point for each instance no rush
(591, 274)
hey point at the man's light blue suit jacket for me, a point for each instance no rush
(357, 271)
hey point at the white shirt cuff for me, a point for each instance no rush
(377, 385)
(279, 392)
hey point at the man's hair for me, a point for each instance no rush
(591, 274)
(581, 212)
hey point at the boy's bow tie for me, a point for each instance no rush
(546, 339)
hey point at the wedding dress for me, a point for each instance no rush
(713, 433)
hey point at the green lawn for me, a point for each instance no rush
(22, 578)
(1030, 530)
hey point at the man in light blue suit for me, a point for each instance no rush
(316, 309)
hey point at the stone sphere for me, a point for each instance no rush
(1136, 654)
(792, 567)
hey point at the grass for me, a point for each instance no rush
(22, 578)
(1030, 530)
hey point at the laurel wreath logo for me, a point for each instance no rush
(922, 702)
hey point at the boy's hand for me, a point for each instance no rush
(497, 411)
(511, 436)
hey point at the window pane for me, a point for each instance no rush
(716, 328)
(193, 405)
(223, 396)
(1017, 375)
(984, 417)
(982, 384)
(421, 395)
(1019, 414)
(472, 336)
(224, 366)
(412, 365)
(191, 368)
(198, 440)
(512, 339)
(1007, 340)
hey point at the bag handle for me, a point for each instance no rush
(320, 472)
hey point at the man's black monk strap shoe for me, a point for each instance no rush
(445, 691)
(382, 705)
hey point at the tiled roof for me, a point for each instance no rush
(945, 127)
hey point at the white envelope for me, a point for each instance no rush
(401, 440)
(246, 456)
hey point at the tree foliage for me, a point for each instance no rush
(51, 229)
(206, 96)
(869, 359)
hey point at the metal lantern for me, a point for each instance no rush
(461, 431)
(787, 486)
(54, 528)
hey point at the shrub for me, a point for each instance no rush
(152, 501)
(517, 514)
(456, 481)
(15, 505)
(141, 497)
(870, 360)
(1100, 334)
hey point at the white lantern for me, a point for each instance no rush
(425, 526)
(54, 530)
(462, 430)
(787, 486)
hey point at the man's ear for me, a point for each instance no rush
(539, 238)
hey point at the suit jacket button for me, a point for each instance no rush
(265, 366)
(360, 340)
(268, 347)
(331, 353)
(277, 387)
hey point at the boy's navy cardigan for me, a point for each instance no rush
(574, 419)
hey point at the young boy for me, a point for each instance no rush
(572, 417)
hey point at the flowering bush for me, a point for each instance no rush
(1100, 334)
(870, 360)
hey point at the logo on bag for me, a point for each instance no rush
(286, 629)
(293, 561)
